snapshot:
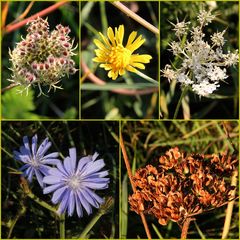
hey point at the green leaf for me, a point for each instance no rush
(16, 106)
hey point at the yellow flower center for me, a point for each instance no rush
(120, 56)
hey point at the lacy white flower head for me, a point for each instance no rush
(43, 58)
(203, 63)
(74, 183)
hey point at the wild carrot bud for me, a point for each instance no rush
(35, 60)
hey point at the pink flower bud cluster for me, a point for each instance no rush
(43, 58)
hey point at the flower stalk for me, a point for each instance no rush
(62, 226)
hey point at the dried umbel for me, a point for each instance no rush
(181, 186)
(204, 63)
(43, 58)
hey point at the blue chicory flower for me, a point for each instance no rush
(74, 183)
(36, 162)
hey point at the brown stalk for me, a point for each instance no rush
(98, 81)
(185, 227)
(42, 13)
(125, 157)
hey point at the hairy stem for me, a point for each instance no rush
(125, 157)
(135, 17)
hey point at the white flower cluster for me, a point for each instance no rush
(203, 63)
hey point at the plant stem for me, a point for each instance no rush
(41, 202)
(179, 102)
(185, 228)
(144, 76)
(42, 13)
(62, 226)
(91, 224)
(230, 206)
(135, 17)
(125, 157)
(12, 85)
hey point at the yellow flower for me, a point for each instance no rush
(116, 58)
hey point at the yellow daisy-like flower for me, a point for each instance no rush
(116, 58)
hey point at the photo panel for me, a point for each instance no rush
(119, 60)
(199, 59)
(179, 179)
(59, 179)
(40, 60)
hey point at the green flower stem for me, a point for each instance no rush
(41, 202)
(105, 208)
(62, 226)
(179, 102)
(91, 224)
(144, 76)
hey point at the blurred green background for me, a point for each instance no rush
(60, 104)
(36, 221)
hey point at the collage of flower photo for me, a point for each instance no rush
(119, 119)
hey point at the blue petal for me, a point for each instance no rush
(58, 194)
(78, 206)
(62, 169)
(84, 202)
(45, 145)
(64, 203)
(39, 177)
(82, 163)
(24, 167)
(68, 165)
(52, 155)
(50, 161)
(44, 170)
(34, 144)
(98, 174)
(52, 179)
(95, 185)
(95, 155)
(20, 157)
(93, 167)
(29, 174)
(73, 156)
(94, 196)
(71, 203)
(52, 188)
(56, 172)
(26, 145)
(90, 198)
(24, 151)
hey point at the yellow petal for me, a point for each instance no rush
(131, 38)
(120, 34)
(99, 44)
(138, 65)
(136, 44)
(111, 37)
(105, 40)
(122, 71)
(143, 58)
(131, 69)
